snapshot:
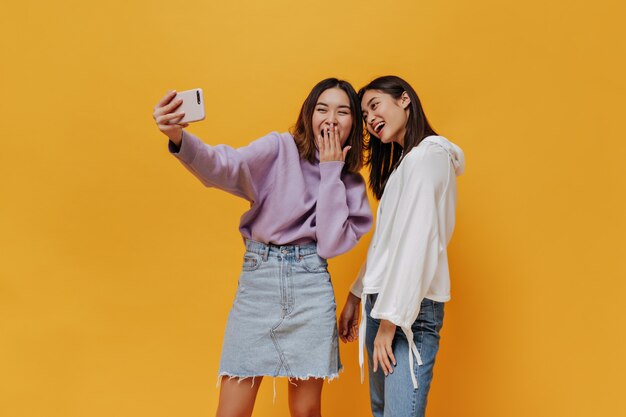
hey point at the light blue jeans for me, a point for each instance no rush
(394, 395)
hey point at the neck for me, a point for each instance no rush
(400, 138)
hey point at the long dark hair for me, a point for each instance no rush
(381, 157)
(303, 130)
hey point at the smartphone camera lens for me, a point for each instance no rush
(198, 96)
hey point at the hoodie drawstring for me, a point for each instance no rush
(407, 333)
(362, 327)
(412, 352)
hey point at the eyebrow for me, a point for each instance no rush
(324, 104)
(370, 100)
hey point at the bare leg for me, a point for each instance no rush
(305, 398)
(237, 397)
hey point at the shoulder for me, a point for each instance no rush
(282, 141)
(271, 143)
(428, 155)
(428, 162)
(270, 139)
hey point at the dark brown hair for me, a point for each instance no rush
(381, 157)
(303, 130)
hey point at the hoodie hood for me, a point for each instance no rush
(456, 154)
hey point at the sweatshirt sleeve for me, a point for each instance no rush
(343, 213)
(357, 286)
(224, 167)
(415, 243)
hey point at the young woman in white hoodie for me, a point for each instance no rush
(404, 282)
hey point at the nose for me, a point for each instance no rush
(331, 120)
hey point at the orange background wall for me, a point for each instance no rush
(117, 268)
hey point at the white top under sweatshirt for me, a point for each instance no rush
(407, 259)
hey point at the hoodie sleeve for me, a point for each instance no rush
(224, 167)
(415, 242)
(357, 286)
(343, 213)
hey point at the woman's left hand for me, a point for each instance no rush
(349, 319)
(383, 349)
(329, 145)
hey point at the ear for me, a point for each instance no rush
(405, 100)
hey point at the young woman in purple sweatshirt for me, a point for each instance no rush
(307, 204)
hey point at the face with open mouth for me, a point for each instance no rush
(333, 109)
(385, 117)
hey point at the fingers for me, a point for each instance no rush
(348, 323)
(174, 104)
(384, 361)
(324, 145)
(343, 326)
(378, 360)
(389, 355)
(351, 330)
(332, 140)
(345, 151)
(329, 145)
(383, 351)
(349, 319)
(375, 359)
(170, 119)
(167, 105)
(167, 98)
(354, 330)
(326, 139)
(381, 359)
(320, 143)
(354, 324)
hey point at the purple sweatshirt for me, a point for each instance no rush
(292, 201)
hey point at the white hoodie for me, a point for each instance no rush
(407, 259)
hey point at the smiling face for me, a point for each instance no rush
(386, 117)
(333, 109)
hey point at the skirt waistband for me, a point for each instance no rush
(280, 250)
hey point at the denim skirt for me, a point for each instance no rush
(283, 320)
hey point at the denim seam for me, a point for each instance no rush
(432, 307)
(416, 370)
(281, 356)
(283, 289)
(291, 299)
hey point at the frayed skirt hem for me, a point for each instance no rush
(289, 378)
(240, 378)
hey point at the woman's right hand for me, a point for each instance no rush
(329, 145)
(167, 119)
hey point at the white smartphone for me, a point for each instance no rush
(193, 105)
